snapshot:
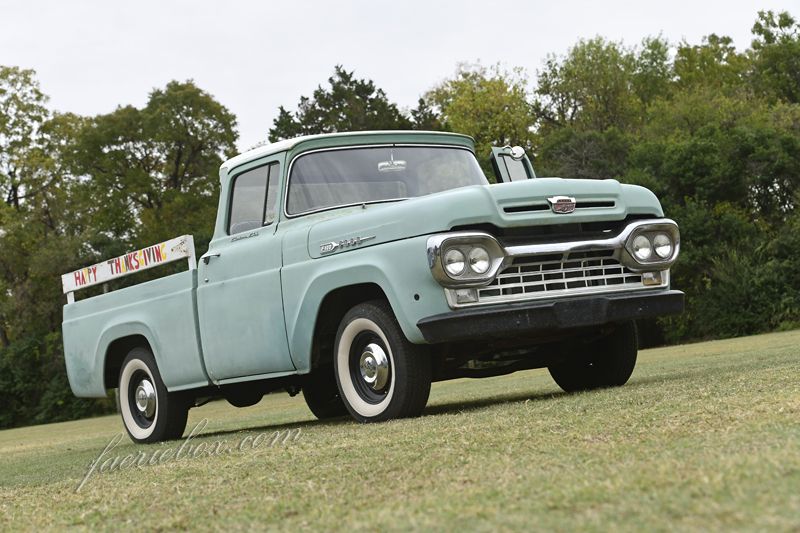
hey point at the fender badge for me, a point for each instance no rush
(333, 246)
(562, 204)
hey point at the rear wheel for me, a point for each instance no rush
(150, 413)
(379, 373)
(607, 362)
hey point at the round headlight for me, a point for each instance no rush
(454, 262)
(641, 248)
(479, 260)
(662, 245)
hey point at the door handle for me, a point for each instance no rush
(208, 255)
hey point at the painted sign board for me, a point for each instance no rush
(152, 256)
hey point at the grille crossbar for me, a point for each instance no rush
(579, 272)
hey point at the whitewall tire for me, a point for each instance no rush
(379, 373)
(150, 413)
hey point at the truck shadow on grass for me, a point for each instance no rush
(459, 406)
(244, 431)
(531, 398)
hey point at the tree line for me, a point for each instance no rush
(713, 132)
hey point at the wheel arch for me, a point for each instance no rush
(115, 354)
(335, 304)
(116, 342)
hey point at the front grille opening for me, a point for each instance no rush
(584, 272)
(593, 205)
(539, 259)
(546, 207)
(526, 208)
(591, 255)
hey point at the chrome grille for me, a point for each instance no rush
(555, 275)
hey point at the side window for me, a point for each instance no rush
(253, 199)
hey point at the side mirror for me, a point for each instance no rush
(511, 164)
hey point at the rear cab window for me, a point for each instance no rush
(253, 199)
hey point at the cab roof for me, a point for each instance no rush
(346, 139)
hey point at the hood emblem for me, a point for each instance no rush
(562, 204)
(332, 246)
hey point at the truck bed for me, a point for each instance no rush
(164, 311)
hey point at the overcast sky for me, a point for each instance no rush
(91, 56)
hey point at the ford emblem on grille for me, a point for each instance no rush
(562, 204)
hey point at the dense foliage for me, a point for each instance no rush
(349, 105)
(714, 132)
(80, 190)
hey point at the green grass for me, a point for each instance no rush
(704, 437)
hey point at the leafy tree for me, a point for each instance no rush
(591, 103)
(713, 64)
(652, 70)
(490, 105)
(777, 55)
(601, 84)
(90, 189)
(153, 171)
(22, 112)
(349, 104)
(41, 221)
(425, 117)
(584, 154)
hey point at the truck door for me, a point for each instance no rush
(239, 295)
(511, 164)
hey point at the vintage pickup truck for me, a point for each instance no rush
(360, 267)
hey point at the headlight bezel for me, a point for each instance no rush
(440, 245)
(653, 261)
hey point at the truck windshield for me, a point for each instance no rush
(337, 178)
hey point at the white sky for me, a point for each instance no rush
(91, 56)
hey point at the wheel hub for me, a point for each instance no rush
(146, 398)
(374, 366)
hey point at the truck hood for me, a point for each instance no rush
(516, 204)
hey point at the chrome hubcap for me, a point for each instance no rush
(374, 366)
(146, 398)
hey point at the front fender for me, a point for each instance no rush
(399, 268)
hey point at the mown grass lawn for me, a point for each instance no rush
(704, 437)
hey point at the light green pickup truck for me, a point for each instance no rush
(361, 267)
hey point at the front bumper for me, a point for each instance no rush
(545, 318)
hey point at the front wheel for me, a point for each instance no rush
(380, 374)
(607, 362)
(150, 413)
(322, 394)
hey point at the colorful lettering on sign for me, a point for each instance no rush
(86, 275)
(124, 264)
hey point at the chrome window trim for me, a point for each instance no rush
(354, 147)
